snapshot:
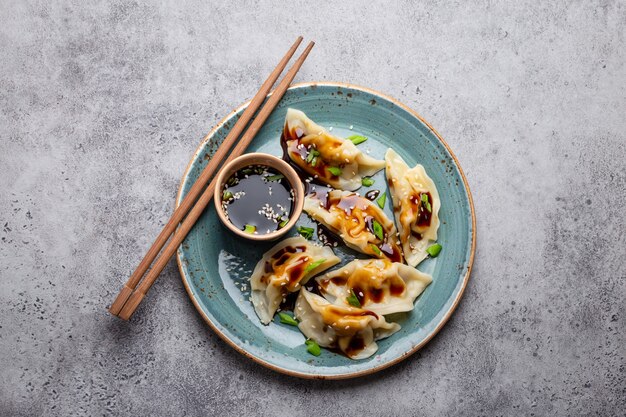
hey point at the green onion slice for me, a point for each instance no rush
(311, 155)
(353, 300)
(426, 203)
(434, 250)
(306, 232)
(227, 195)
(287, 319)
(336, 171)
(367, 182)
(276, 177)
(249, 229)
(378, 229)
(313, 265)
(312, 347)
(356, 139)
(381, 200)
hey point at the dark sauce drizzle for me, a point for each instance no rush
(372, 195)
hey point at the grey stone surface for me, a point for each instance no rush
(101, 106)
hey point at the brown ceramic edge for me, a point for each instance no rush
(407, 353)
(257, 158)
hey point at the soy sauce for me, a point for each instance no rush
(258, 199)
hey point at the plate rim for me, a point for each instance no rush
(345, 375)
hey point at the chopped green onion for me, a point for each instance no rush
(381, 200)
(312, 154)
(314, 161)
(378, 229)
(375, 249)
(249, 229)
(313, 265)
(306, 232)
(353, 300)
(434, 250)
(247, 171)
(283, 223)
(227, 195)
(426, 203)
(336, 171)
(367, 182)
(312, 347)
(287, 319)
(276, 177)
(232, 181)
(356, 139)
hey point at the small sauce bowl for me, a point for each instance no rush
(252, 160)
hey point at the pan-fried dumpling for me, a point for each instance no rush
(331, 159)
(379, 285)
(283, 270)
(415, 206)
(353, 330)
(361, 224)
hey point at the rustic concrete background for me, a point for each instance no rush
(101, 106)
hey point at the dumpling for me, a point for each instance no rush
(335, 161)
(283, 270)
(379, 285)
(415, 206)
(361, 224)
(353, 330)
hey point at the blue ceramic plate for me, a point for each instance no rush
(215, 264)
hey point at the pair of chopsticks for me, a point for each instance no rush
(198, 196)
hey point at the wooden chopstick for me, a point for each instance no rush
(140, 292)
(199, 184)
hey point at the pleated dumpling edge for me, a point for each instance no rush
(416, 206)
